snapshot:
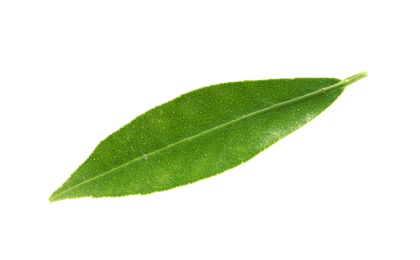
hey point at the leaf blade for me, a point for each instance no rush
(199, 134)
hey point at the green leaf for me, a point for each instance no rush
(200, 134)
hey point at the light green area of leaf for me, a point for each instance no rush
(200, 134)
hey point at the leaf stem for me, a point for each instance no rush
(340, 84)
(345, 82)
(356, 77)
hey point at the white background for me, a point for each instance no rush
(345, 186)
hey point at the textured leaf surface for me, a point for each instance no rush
(200, 134)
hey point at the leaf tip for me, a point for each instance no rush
(55, 197)
(52, 199)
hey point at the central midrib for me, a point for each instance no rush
(281, 104)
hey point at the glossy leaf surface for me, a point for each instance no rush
(200, 134)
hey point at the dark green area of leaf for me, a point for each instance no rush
(199, 134)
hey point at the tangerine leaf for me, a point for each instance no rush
(200, 134)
